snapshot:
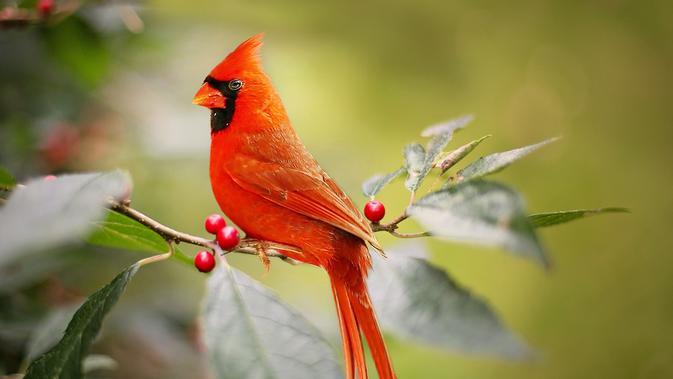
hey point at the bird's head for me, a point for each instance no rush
(237, 80)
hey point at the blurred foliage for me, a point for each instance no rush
(359, 80)
(244, 323)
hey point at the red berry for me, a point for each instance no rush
(204, 261)
(214, 223)
(48, 178)
(374, 210)
(227, 237)
(45, 7)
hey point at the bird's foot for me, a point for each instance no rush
(262, 249)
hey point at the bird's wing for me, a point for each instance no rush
(312, 194)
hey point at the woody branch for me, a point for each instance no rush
(250, 246)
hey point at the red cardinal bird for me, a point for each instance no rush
(266, 181)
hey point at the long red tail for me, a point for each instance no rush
(357, 315)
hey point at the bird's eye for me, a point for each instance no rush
(235, 85)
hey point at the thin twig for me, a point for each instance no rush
(410, 235)
(392, 226)
(159, 257)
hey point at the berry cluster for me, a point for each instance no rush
(226, 236)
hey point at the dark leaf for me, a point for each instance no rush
(375, 184)
(47, 214)
(480, 212)
(420, 302)
(252, 334)
(540, 220)
(498, 161)
(64, 361)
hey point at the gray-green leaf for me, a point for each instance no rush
(64, 361)
(414, 162)
(61, 210)
(447, 127)
(419, 161)
(6, 179)
(375, 184)
(540, 220)
(498, 161)
(480, 212)
(418, 301)
(434, 148)
(252, 334)
(448, 160)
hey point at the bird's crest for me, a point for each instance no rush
(244, 58)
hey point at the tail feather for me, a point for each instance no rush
(356, 314)
(364, 313)
(352, 344)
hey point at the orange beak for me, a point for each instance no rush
(209, 97)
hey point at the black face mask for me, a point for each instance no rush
(220, 118)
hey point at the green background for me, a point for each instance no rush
(361, 79)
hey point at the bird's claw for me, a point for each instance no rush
(262, 249)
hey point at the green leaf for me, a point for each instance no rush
(6, 179)
(420, 302)
(375, 184)
(496, 162)
(64, 361)
(447, 160)
(122, 232)
(46, 214)
(447, 127)
(480, 212)
(252, 334)
(414, 162)
(540, 220)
